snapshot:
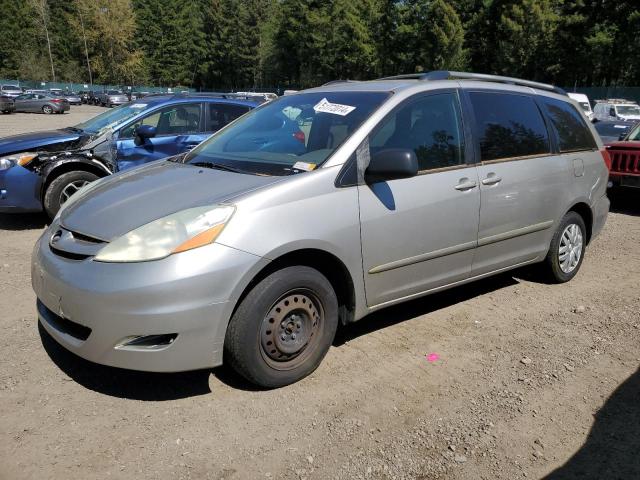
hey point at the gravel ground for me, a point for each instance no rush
(532, 381)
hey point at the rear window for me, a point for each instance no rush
(569, 125)
(509, 126)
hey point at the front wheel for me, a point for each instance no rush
(62, 187)
(47, 109)
(283, 328)
(567, 249)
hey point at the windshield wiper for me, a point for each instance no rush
(74, 129)
(217, 166)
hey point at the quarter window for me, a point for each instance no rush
(430, 126)
(509, 126)
(569, 126)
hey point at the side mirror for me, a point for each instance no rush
(391, 164)
(622, 136)
(144, 132)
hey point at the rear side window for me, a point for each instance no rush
(221, 114)
(508, 126)
(569, 125)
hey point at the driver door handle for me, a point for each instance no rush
(465, 184)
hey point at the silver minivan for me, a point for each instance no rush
(315, 210)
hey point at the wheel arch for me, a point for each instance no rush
(326, 263)
(584, 210)
(59, 168)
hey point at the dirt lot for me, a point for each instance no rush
(532, 380)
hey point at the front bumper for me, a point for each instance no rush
(20, 190)
(191, 294)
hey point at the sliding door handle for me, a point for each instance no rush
(491, 179)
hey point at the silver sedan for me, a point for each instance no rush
(41, 103)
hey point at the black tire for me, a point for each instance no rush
(252, 327)
(53, 196)
(552, 265)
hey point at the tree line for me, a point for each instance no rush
(244, 44)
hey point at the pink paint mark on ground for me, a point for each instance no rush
(432, 357)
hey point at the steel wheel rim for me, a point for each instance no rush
(570, 249)
(47, 109)
(291, 329)
(70, 189)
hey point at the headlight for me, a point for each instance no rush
(181, 231)
(21, 159)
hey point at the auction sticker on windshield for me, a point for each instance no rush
(325, 106)
(307, 167)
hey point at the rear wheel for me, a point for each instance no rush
(62, 187)
(567, 249)
(47, 109)
(283, 328)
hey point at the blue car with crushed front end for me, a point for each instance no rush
(41, 170)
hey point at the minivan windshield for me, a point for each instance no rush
(111, 118)
(293, 134)
(628, 110)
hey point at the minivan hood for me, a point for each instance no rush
(125, 201)
(37, 141)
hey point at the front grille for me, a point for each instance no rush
(63, 325)
(625, 161)
(74, 246)
(68, 255)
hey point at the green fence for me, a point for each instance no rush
(75, 87)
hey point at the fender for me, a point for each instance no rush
(48, 165)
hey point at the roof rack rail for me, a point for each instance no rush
(238, 95)
(450, 75)
(334, 82)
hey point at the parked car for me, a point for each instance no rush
(612, 131)
(584, 103)
(84, 96)
(253, 250)
(7, 104)
(73, 98)
(624, 163)
(39, 170)
(10, 90)
(41, 103)
(616, 109)
(94, 97)
(111, 98)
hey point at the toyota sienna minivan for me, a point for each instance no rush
(317, 209)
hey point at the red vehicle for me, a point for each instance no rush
(624, 160)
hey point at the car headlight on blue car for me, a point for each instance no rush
(21, 159)
(178, 232)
